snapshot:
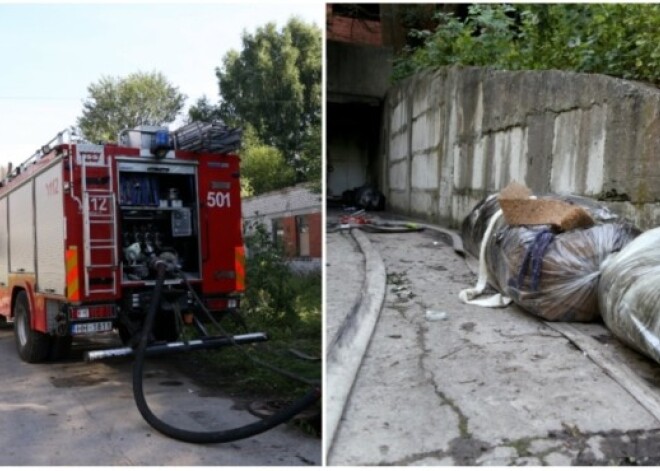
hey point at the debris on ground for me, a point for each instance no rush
(360, 219)
(547, 271)
(366, 197)
(432, 315)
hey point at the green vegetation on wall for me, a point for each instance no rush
(622, 40)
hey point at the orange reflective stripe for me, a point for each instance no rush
(72, 278)
(239, 268)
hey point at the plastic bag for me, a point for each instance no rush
(629, 294)
(552, 275)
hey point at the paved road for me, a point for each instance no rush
(72, 413)
(443, 383)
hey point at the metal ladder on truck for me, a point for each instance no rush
(99, 209)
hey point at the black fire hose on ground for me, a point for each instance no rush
(189, 436)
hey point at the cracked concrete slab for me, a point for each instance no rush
(391, 380)
(483, 386)
(498, 456)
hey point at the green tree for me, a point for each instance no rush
(116, 103)
(311, 159)
(204, 110)
(265, 169)
(274, 83)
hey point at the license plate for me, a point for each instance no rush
(91, 327)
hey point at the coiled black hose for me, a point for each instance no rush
(221, 436)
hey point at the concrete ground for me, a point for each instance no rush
(345, 273)
(444, 383)
(71, 413)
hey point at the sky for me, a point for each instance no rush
(50, 53)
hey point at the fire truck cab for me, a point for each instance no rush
(80, 222)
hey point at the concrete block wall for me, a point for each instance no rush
(453, 135)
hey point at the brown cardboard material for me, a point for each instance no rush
(519, 209)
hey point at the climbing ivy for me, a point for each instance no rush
(622, 40)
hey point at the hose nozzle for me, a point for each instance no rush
(166, 261)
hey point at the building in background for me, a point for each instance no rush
(358, 71)
(293, 218)
(362, 41)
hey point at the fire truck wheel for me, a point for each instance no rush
(32, 346)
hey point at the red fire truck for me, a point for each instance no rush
(79, 223)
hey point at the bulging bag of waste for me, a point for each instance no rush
(553, 275)
(629, 294)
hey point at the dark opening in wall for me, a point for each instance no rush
(359, 11)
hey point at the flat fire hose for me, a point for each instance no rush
(468, 295)
(220, 436)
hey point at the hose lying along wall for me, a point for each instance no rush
(552, 275)
(221, 436)
(629, 294)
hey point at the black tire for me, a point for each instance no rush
(32, 346)
(60, 347)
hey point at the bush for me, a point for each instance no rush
(287, 307)
(275, 297)
(622, 40)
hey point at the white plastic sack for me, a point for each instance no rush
(629, 294)
(553, 276)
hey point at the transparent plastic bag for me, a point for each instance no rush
(552, 275)
(629, 294)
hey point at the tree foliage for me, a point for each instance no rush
(204, 110)
(310, 159)
(265, 169)
(274, 83)
(621, 40)
(116, 103)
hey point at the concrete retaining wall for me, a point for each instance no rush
(454, 135)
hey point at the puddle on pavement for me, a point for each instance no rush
(171, 383)
(76, 381)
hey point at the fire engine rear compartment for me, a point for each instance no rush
(157, 213)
